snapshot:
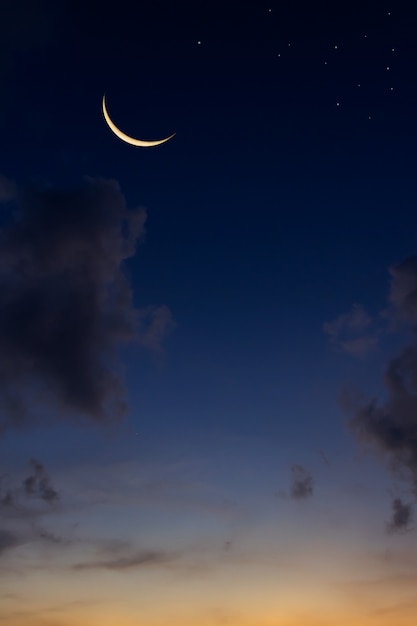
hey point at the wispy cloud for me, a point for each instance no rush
(350, 332)
(144, 558)
(39, 484)
(302, 483)
(155, 323)
(21, 502)
(22, 507)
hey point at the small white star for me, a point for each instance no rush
(338, 104)
(199, 43)
(392, 49)
(279, 55)
(391, 88)
(289, 44)
(335, 47)
(387, 67)
(369, 117)
(359, 84)
(365, 36)
(270, 10)
(389, 12)
(325, 63)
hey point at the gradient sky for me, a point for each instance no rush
(208, 353)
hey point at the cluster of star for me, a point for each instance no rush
(334, 50)
(333, 55)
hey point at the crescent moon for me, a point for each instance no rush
(126, 138)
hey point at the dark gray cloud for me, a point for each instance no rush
(66, 303)
(302, 483)
(390, 427)
(402, 515)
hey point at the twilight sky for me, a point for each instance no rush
(208, 349)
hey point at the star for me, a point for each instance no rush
(387, 67)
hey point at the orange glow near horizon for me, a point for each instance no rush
(249, 597)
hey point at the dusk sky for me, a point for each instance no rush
(208, 348)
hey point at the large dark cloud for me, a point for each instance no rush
(66, 304)
(391, 426)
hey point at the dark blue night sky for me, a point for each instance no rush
(259, 324)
